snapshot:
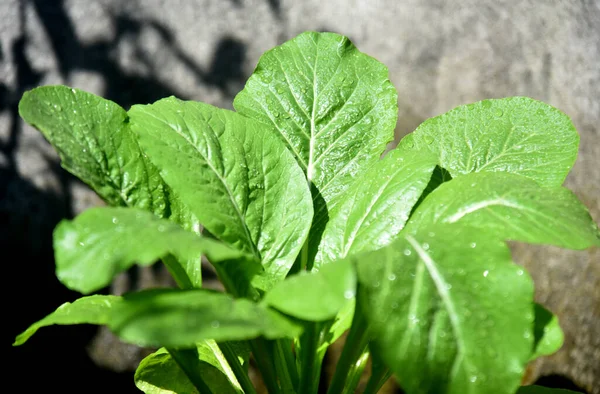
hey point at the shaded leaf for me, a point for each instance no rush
(512, 207)
(543, 390)
(515, 134)
(182, 318)
(94, 309)
(449, 311)
(548, 336)
(102, 242)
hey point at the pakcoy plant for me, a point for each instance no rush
(315, 232)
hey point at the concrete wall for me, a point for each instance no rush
(440, 54)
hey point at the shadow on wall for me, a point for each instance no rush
(28, 214)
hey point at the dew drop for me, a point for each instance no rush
(485, 273)
(81, 244)
(473, 379)
(349, 294)
(425, 246)
(161, 228)
(473, 245)
(73, 91)
(394, 305)
(428, 139)
(57, 107)
(392, 277)
(215, 324)
(520, 272)
(115, 220)
(498, 112)
(431, 234)
(407, 252)
(376, 284)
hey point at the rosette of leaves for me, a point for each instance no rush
(313, 231)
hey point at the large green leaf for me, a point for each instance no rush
(511, 207)
(548, 336)
(333, 106)
(159, 373)
(182, 318)
(516, 134)
(94, 309)
(449, 311)
(315, 296)
(102, 242)
(376, 206)
(93, 139)
(234, 174)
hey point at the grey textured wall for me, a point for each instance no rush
(440, 54)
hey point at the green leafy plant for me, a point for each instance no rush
(313, 231)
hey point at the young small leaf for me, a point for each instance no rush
(512, 207)
(515, 134)
(235, 176)
(93, 139)
(182, 318)
(102, 242)
(548, 336)
(159, 373)
(332, 105)
(376, 206)
(315, 296)
(448, 310)
(94, 309)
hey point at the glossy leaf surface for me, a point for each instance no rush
(512, 207)
(332, 105)
(95, 143)
(234, 174)
(449, 311)
(376, 206)
(518, 135)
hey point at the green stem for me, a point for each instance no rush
(264, 356)
(309, 362)
(282, 369)
(238, 370)
(356, 342)
(355, 373)
(188, 360)
(378, 378)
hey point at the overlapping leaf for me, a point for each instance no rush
(449, 311)
(548, 336)
(376, 206)
(512, 207)
(515, 134)
(332, 105)
(315, 296)
(182, 318)
(93, 139)
(159, 373)
(234, 174)
(102, 242)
